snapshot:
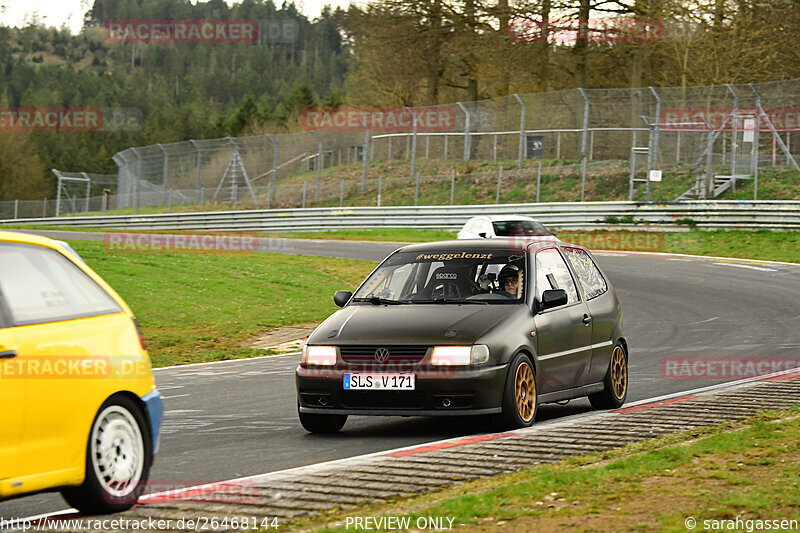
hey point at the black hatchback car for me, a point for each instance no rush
(467, 327)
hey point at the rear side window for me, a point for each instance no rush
(589, 276)
(552, 273)
(41, 285)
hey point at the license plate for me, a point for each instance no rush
(379, 381)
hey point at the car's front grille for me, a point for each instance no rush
(370, 354)
(383, 399)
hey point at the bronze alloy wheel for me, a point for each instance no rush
(525, 392)
(619, 372)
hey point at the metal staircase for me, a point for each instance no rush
(721, 184)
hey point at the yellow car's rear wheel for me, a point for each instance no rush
(118, 459)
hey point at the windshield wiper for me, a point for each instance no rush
(449, 301)
(375, 300)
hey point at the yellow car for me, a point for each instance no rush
(80, 410)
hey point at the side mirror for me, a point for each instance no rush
(553, 298)
(340, 298)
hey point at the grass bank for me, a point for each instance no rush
(749, 471)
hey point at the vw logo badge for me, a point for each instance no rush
(382, 355)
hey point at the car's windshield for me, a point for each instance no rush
(447, 277)
(510, 228)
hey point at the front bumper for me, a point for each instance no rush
(438, 392)
(155, 413)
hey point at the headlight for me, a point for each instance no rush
(460, 355)
(319, 355)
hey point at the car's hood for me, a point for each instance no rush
(410, 324)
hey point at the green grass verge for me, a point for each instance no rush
(196, 307)
(750, 470)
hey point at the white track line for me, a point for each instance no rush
(751, 267)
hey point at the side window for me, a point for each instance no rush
(552, 273)
(589, 275)
(41, 285)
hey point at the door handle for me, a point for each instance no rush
(587, 320)
(8, 354)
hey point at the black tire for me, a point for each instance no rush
(520, 398)
(616, 381)
(120, 426)
(314, 423)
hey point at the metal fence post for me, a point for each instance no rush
(44, 207)
(88, 191)
(584, 140)
(445, 146)
(272, 191)
(16, 208)
(538, 182)
(365, 157)
(380, 185)
(734, 128)
(657, 133)
(320, 157)
(138, 179)
(494, 147)
(389, 149)
(756, 125)
(467, 140)
(558, 145)
(198, 165)
(413, 141)
(166, 163)
(499, 184)
(427, 146)
(452, 186)
(341, 193)
(416, 191)
(521, 153)
(304, 194)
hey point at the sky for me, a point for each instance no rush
(70, 12)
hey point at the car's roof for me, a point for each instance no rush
(481, 244)
(26, 238)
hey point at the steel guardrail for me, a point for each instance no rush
(705, 214)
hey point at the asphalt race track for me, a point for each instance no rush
(238, 418)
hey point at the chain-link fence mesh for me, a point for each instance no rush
(705, 136)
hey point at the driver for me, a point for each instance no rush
(509, 281)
